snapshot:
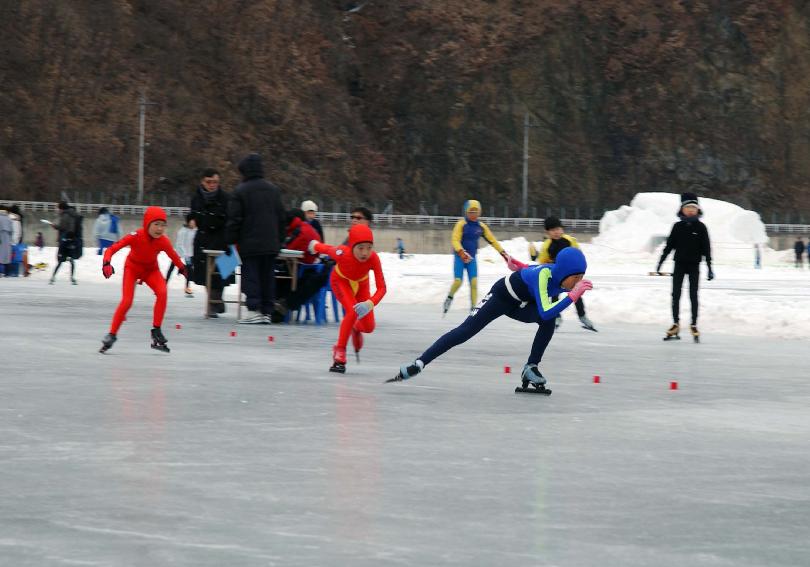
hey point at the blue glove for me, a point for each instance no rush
(363, 308)
(711, 274)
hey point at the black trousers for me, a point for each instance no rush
(259, 282)
(310, 282)
(681, 270)
(496, 303)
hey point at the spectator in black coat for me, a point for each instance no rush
(256, 224)
(690, 240)
(209, 210)
(798, 249)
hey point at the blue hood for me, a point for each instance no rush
(569, 261)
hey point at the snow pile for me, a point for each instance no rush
(642, 227)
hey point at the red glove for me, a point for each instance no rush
(107, 270)
(580, 289)
(512, 264)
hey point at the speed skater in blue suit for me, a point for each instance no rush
(526, 296)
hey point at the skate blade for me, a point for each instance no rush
(697, 339)
(396, 378)
(589, 329)
(672, 338)
(161, 348)
(532, 390)
(103, 350)
(338, 369)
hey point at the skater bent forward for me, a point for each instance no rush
(525, 296)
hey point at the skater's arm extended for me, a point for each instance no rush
(489, 237)
(379, 281)
(126, 241)
(316, 247)
(668, 248)
(549, 309)
(166, 246)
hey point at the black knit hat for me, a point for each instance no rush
(689, 199)
(552, 222)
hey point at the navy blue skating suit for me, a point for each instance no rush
(525, 296)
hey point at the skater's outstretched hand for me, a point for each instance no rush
(107, 270)
(512, 264)
(363, 308)
(580, 289)
(311, 246)
(465, 256)
(711, 274)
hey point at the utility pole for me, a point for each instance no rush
(142, 104)
(525, 200)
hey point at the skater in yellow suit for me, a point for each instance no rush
(465, 247)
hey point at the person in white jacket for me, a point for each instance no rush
(184, 246)
(105, 229)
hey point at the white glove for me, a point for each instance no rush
(363, 308)
(311, 246)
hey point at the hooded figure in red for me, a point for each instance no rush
(141, 266)
(350, 284)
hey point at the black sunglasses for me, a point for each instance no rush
(358, 217)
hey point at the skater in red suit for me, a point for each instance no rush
(142, 267)
(350, 284)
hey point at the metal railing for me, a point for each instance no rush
(574, 225)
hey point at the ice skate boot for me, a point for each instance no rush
(73, 281)
(338, 360)
(357, 343)
(695, 333)
(52, 280)
(532, 381)
(107, 342)
(586, 324)
(672, 333)
(158, 340)
(447, 303)
(407, 371)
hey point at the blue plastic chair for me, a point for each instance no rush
(316, 307)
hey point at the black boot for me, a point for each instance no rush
(107, 343)
(158, 340)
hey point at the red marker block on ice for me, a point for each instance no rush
(507, 369)
(178, 326)
(233, 333)
(673, 385)
(597, 379)
(270, 339)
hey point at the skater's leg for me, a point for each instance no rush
(541, 339)
(72, 268)
(694, 282)
(677, 284)
(155, 281)
(472, 276)
(347, 300)
(127, 293)
(458, 274)
(56, 269)
(496, 303)
(367, 323)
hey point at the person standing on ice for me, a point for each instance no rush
(142, 267)
(798, 249)
(465, 247)
(525, 296)
(350, 283)
(690, 240)
(557, 240)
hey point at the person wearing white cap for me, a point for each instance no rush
(311, 211)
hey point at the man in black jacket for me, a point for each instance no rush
(256, 224)
(798, 249)
(690, 240)
(209, 209)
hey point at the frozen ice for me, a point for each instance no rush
(240, 452)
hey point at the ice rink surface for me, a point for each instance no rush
(238, 451)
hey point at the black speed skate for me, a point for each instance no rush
(158, 340)
(338, 360)
(672, 333)
(107, 342)
(407, 371)
(695, 333)
(532, 381)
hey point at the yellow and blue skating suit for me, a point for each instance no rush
(465, 238)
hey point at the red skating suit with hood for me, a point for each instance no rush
(142, 266)
(350, 284)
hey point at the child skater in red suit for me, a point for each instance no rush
(142, 267)
(350, 284)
